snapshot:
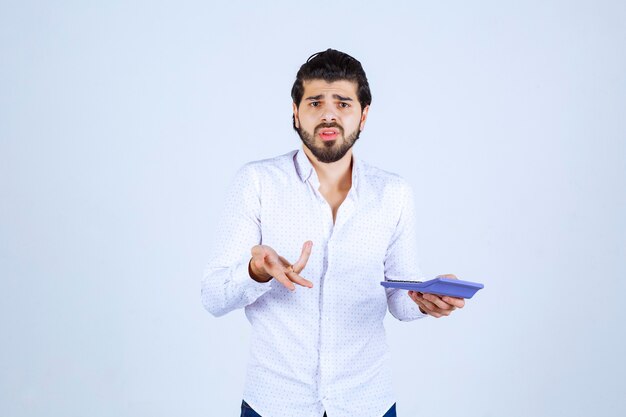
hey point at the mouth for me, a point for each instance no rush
(328, 134)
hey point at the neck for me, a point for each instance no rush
(335, 175)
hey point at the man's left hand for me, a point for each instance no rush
(437, 305)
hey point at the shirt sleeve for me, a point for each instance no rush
(226, 284)
(401, 261)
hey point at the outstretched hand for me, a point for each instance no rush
(266, 263)
(437, 305)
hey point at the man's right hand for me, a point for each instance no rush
(266, 263)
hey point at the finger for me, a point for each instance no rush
(434, 314)
(260, 260)
(283, 279)
(413, 296)
(426, 306)
(294, 277)
(450, 276)
(285, 263)
(455, 301)
(304, 256)
(426, 303)
(258, 250)
(264, 256)
(288, 270)
(277, 271)
(425, 309)
(416, 295)
(427, 300)
(438, 302)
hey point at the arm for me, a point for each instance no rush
(401, 260)
(226, 284)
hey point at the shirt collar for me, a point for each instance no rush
(305, 170)
(303, 165)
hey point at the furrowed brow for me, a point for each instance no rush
(335, 96)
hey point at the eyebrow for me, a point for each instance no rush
(336, 96)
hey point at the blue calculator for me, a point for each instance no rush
(439, 286)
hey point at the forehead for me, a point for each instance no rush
(342, 87)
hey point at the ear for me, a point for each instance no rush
(364, 117)
(295, 115)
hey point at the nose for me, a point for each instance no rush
(328, 115)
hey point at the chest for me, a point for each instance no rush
(334, 199)
(343, 229)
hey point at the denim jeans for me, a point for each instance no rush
(247, 411)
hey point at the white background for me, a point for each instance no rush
(122, 124)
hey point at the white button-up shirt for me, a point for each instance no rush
(320, 348)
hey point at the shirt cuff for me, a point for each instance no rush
(253, 289)
(402, 306)
(412, 309)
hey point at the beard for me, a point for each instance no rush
(331, 150)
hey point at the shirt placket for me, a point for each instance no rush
(330, 247)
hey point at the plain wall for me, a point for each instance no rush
(122, 124)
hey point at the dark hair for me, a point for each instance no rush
(331, 65)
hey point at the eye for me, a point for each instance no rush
(344, 105)
(314, 104)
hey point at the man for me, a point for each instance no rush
(320, 348)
